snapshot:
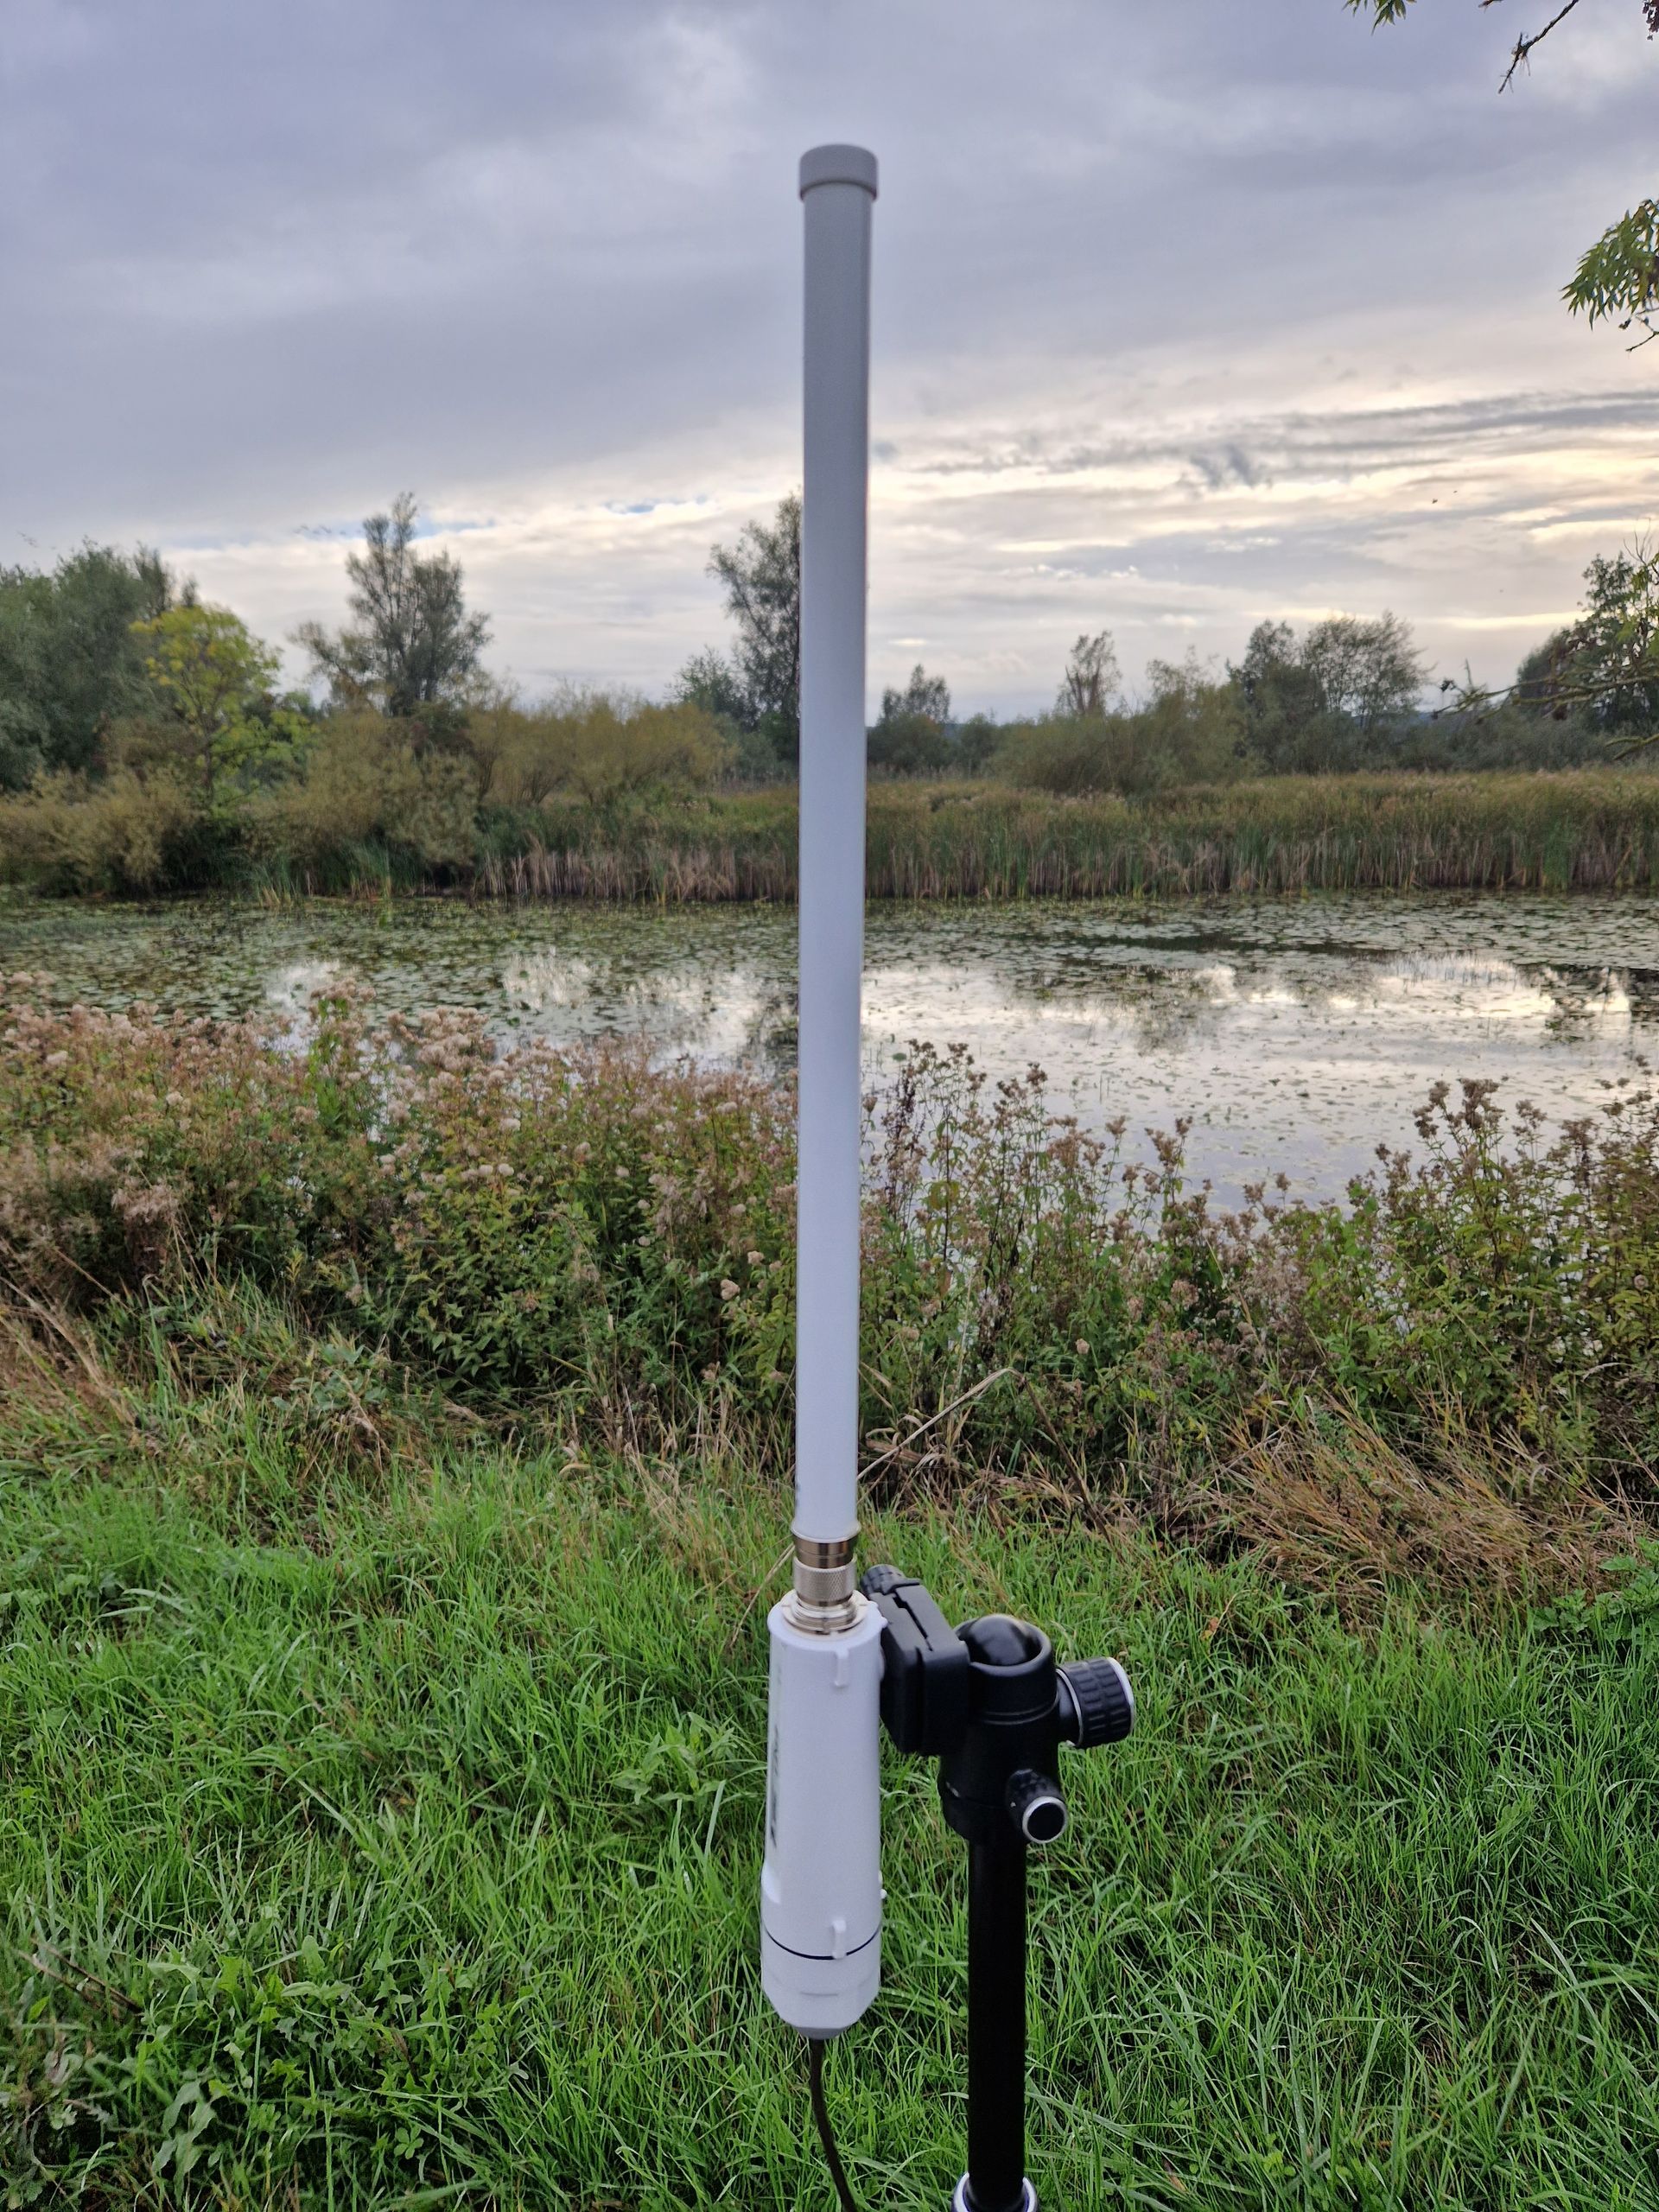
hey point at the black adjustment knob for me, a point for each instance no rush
(1035, 1806)
(1096, 1704)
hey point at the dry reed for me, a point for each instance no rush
(1582, 830)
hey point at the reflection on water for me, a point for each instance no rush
(1297, 1036)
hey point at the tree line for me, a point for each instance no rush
(119, 684)
(1345, 694)
(110, 661)
(145, 744)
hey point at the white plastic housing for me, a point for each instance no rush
(821, 1884)
(838, 189)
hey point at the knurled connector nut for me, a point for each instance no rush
(824, 1579)
(823, 1586)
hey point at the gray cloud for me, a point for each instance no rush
(1230, 464)
(1344, 442)
(1229, 309)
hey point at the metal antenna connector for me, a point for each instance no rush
(825, 1600)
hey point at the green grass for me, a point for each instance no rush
(389, 1835)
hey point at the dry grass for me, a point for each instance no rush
(1580, 831)
(1340, 1511)
(52, 1368)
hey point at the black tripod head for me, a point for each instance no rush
(989, 1701)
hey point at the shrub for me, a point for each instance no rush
(1190, 730)
(596, 746)
(128, 834)
(370, 781)
(1070, 756)
(530, 1229)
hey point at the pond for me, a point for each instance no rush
(1298, 1035)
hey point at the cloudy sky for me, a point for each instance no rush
(1186, 314)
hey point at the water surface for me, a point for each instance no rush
(1297, 1035)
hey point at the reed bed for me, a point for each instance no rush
(1579, 829)
(1587, 831)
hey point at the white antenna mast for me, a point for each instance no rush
(820, 1887)
(838, 187)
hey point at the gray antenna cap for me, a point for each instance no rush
(838, 165)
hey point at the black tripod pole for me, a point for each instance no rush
(995, 2179)
(989, 1703)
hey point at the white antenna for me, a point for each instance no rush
(838, 187)
(989, 1701)
(821, 1886)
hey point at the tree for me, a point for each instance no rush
(924, 694)
(1091, 678)
(1341, 694)
(762, 578)
(712, 681)
(415, 644)
(977, 740)
(1191, 726)
(1604, 667)
(1614, 644)
(69, 664)
(1286, 728)
(1617, 277)
(1368, 672)
(215, 679)
(910, 736)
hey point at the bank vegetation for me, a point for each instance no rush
(369, 814)
(1458, 1368)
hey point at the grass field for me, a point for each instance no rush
(391, 1837)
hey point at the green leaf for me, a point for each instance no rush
(1619, 274)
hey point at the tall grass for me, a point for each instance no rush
(423, 828)
(1593, 831)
